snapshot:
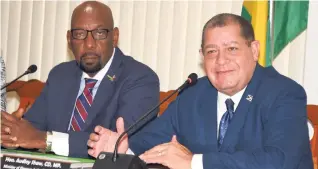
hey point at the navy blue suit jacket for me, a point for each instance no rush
(134, 91)
(268, 132)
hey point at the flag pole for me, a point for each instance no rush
(271, 28)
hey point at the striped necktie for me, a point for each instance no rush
(82, 106)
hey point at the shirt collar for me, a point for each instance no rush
(235, 98)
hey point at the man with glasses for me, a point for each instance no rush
(101, 85)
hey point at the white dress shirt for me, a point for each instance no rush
(60, 144)
(197, 162)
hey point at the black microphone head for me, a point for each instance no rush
(192, 78)
(32, 69)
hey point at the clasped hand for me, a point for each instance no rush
(18, 132)
(173, 155)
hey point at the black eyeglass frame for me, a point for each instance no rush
(92, 32)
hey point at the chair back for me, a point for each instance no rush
(28, 91)
(165, 105)
(312, 111)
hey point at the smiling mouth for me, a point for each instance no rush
(225, 72)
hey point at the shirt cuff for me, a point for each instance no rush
(60, 145)
(197, 162)
(130, 152)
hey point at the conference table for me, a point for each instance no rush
(20, 159)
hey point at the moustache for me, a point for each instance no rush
(90, 54)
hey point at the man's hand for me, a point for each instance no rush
(17, 132)
(7, 140)
(19, 113)
(104, 139)
(172, 154)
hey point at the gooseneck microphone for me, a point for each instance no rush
(130, 161)
(30, 70)
(192, 79)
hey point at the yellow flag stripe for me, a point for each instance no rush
(258, 11)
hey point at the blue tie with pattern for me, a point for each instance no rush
(225, 121)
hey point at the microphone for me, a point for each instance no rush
(30, 70)
(125, 161)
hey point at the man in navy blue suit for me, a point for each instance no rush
(240, 116)
(99, 86)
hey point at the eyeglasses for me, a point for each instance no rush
(98, 34)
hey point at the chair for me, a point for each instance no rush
(165, 105)
(312, 111)
(28, 91)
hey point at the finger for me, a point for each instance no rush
(7, 123)
(8, 138)
(8, 117)
(91, 144)
(157, 149)
(10, 145)
(91, 152)
(179, 146)
(19, 113)
(101, 130)
(5, 130)
(94, 137)
(98, 129)
(153, 154)
(174, 139)
(154, 159)
(120, 125)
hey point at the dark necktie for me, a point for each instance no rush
(82, 105)
(225, 121)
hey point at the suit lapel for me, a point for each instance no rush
(106, 88)
(208, 114)
(237, 122)
(72, 87)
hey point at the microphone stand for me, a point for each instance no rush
(14, 80)
(125, 161)
(142, 118)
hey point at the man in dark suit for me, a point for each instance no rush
(240, 116)
(101, 85)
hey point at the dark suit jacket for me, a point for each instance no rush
(268, 132)
(134, 91)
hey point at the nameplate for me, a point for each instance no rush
(12, 162)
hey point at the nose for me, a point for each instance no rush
(90, 42)
(221, 58)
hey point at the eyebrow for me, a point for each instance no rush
(224, 44)
(97, 27)
(231, 42)
(210, 46)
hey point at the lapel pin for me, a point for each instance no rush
(249, 98)
(111, 78)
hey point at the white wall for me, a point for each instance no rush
(162, 34)
(310, 74)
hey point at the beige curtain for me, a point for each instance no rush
(165, 35)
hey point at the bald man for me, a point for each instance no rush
(99, 86)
